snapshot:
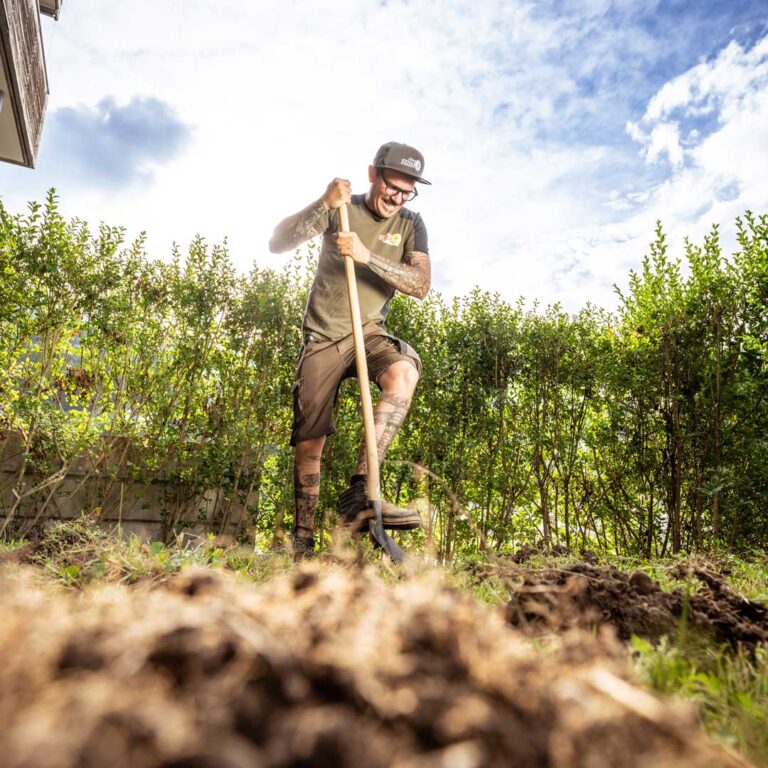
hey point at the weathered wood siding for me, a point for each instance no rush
(153, 509)
(24, 62)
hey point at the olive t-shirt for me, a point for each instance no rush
(327, 315)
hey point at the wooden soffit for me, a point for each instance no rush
(23, 81)
(51, 8)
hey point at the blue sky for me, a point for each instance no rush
(555, 133)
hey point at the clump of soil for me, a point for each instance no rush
(75, 542)
(323, 668)
(583, 595)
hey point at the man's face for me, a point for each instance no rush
(388, 191)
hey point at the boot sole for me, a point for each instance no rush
(403, 525)
(361, 525)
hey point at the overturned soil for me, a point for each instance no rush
(584, 595)
(325, 667)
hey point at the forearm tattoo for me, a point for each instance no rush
(297, 229)
(412, 275)
(306, 490)
(388, 417)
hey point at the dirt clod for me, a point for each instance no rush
(323, 668)
(584, 595)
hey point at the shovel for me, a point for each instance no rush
(380, 536)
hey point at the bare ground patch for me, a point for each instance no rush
(326, 667)
(584, 595)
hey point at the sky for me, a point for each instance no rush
(555, 133)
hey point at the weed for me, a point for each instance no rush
(8, 545)
(79, 552)
(730, 689)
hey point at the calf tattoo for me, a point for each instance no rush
(388, 417)
(306, 490)
(297, 229)
(412, 275)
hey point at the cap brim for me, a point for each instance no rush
(415, 178)
(405, 173)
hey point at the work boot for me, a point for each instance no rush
(399, 519)
(355, 510)
(303, 546)
(353, 507)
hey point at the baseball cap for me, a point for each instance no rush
(402, 158)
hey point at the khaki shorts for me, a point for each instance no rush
(323, 365)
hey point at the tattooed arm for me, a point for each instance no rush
(312, 221)
(412, 275)
(297, 229)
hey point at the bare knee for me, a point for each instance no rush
(399, 379)
(309, 451)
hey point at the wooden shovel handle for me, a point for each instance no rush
(371, 451)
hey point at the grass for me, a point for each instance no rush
(78, 553)
(730, 689)
(8, 545)
(750, 576)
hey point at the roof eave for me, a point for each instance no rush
(51, 10)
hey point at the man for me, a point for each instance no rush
(389, 246)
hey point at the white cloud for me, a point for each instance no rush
(720, 83)
(280, 97)
(280, 103)
(664, 139)
(721, 173)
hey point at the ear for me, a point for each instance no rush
(371, 173)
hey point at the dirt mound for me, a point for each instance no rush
(323, 668)
(583, 595)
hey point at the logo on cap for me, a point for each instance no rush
(411, 162)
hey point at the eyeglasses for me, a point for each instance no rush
(392, 190)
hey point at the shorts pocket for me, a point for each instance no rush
(406, 350)
(297, 390)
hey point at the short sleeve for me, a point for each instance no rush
(417, 240)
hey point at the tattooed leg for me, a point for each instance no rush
(398, 384)
(306, 485)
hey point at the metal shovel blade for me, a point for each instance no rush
(382, 538)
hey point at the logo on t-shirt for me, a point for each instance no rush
(391, 239)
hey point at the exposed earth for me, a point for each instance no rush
(584, 595)
(332, 666)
